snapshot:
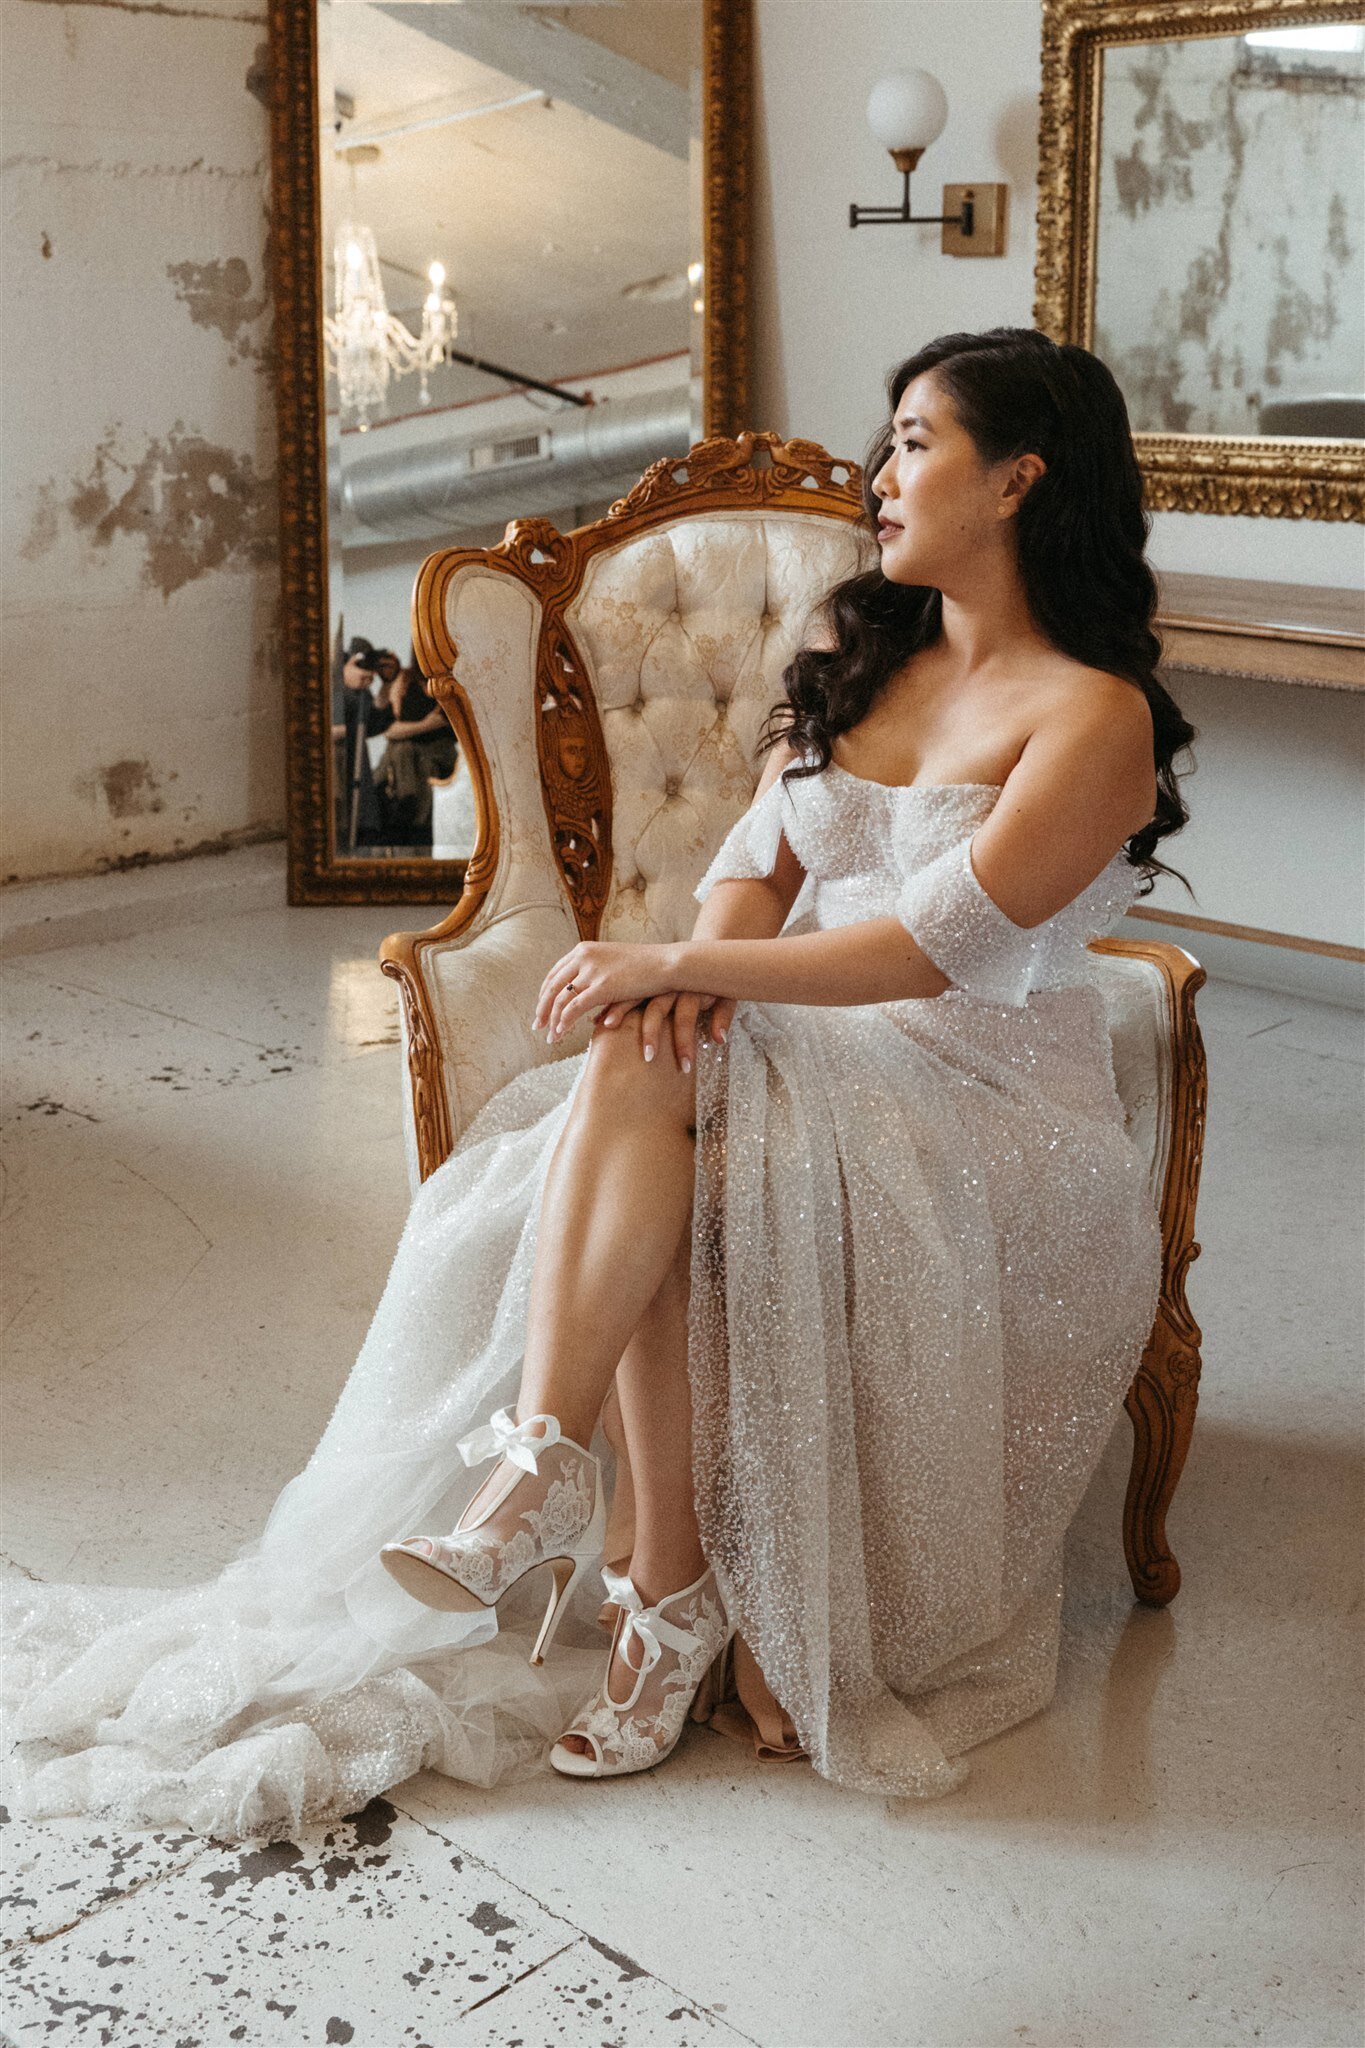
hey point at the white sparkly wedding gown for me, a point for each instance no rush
(925, 1262)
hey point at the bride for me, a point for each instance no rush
(826, 1266)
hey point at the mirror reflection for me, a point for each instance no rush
(514, 292)
(1229, 294)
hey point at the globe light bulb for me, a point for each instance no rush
(907, 110)
(437, 273)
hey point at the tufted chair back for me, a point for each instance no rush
(684, 632)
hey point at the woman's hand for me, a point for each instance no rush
(595, 973)
(685, 1012)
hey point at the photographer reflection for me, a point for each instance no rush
(420, 744)
(358, 712)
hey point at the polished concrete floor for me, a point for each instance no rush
(1169, 1854)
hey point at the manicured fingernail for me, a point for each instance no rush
(687, 1066)
(649, 1052)
(722, 1037)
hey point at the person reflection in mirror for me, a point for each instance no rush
(421, 745)
(355, 717)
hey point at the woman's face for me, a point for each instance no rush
(938, 500)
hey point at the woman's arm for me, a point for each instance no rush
(1083, 786)
(751, 909)
(409, 729)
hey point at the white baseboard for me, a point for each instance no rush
(1287, 969)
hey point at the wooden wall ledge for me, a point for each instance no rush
(1300, 633)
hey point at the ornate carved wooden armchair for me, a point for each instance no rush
(608, 686)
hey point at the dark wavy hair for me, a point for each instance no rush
(1081, 529)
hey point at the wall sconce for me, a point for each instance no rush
(907, 111)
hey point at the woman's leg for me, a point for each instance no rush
(656, 1409)
(617, 1203)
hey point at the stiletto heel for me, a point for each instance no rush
(684, 1642)
(562, 1523)
(566, 1572)
(711, 1691)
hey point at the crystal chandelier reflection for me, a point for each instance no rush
(367, 344)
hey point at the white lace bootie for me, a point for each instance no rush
(543, 1505)
(683, 1641)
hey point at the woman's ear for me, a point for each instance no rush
(1024, 474)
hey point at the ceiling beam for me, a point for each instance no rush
(545, 55)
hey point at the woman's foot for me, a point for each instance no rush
(543, 1503)
(662, 1654)
(627, 1650)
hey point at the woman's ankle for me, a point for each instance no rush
(575, 1427)
(657, 1576)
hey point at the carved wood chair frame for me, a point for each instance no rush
(1222, 473)
(760, 472)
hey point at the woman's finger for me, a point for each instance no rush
(656, 1009)
(569, 1004)
(561, 972)
(721, 1017)
(685, 1014)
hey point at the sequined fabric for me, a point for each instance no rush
(925, 1263)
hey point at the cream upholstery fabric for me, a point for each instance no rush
(684, 630)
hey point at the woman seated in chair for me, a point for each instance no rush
(836, 1217)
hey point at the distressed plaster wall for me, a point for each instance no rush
(1229, 266)
(141, 697)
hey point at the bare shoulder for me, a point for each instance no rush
(1106, 720)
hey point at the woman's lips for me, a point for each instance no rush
(886, 527)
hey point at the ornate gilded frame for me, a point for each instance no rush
(315, 875)
(1318, 479)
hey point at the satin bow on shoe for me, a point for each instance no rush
(645, 1622)
(504, 1438)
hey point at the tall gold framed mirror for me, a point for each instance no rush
(1200, 227)
(509, 261)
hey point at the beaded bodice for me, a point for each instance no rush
(873, 849)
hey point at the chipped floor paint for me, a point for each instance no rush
(331, 1938)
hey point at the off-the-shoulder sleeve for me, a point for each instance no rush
(748, 851)
(965, 932)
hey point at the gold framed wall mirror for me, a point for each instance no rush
(509, 258)
(1200, 227)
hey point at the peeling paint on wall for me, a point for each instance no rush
(153, 7)
(130, 789)
(258, 75)
(1229, 267)
(193, 506)
(218, 294)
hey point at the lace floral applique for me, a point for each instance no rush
(487, 1561)
(634, 1738)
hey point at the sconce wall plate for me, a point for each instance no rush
(988, 220)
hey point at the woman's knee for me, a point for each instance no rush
(617, 1068)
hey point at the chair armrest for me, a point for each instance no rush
(473, 995)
